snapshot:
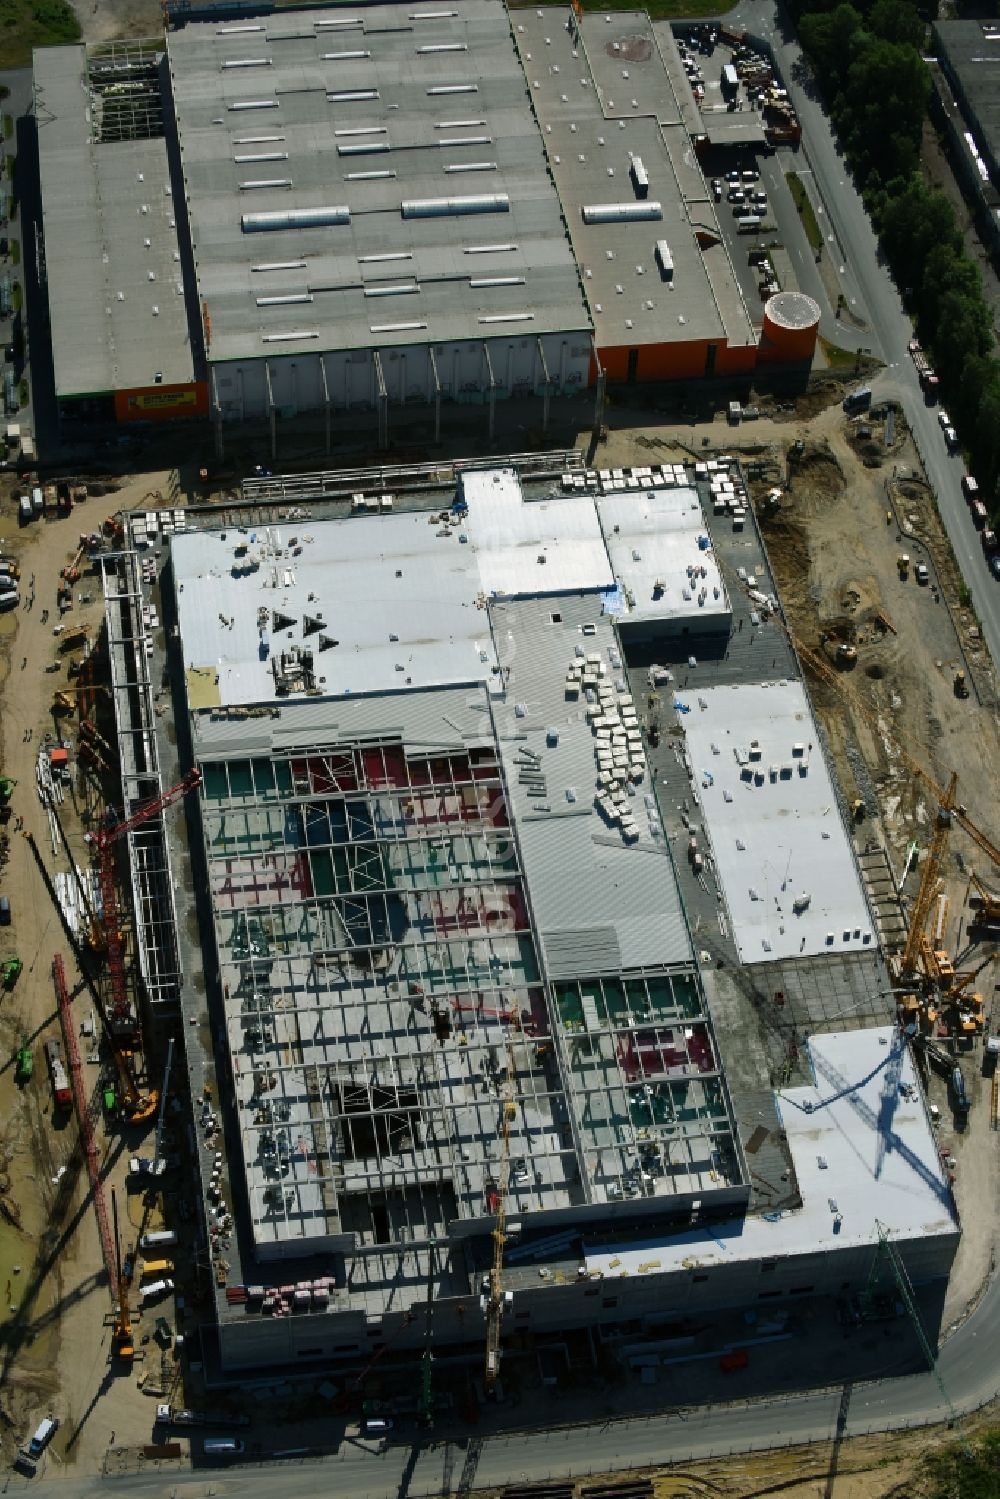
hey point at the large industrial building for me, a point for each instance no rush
(515, 878)
(311, 214)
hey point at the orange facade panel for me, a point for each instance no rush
(694, 359)
(162, 403)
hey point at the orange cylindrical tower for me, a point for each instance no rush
(791, 325)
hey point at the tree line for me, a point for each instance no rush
(866, 57)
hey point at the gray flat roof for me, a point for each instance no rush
(396, 598)
(782, 857)
(602, 902)
(101, 203)
(661, 554)
(599, 108)
(972, 50)
(364, 113)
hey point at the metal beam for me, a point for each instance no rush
(492, 389)
(326, 399)
(382, 400)
(546, 384)
(270, 411)
(437, 394)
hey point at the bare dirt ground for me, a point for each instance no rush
(55, 1303)
(107, 20)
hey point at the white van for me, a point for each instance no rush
(163, 1238)
(43, 1436)
(155, 1290)
(222, 1446)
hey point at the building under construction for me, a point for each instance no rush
(535, 977)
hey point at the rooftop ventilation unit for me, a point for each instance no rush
(444, 47)
(253, 184)
(294, 218)
(286, 300)
(253, 104)
(454, 88)
(396, 327)
(352, 96)
(246, 157)
(291, 337)
(618, 213)
(399, 290)
(247, 62)
(343, 56)
(433, 208)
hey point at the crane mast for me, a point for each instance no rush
(495, 1291)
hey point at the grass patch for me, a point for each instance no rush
(23, 393)
(16, 296)
(659, 10)
(966, 1472)
(15, 252)
(8, 127)
(805, 209)
(25, 24)
(836, 357)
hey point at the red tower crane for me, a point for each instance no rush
(103, 843)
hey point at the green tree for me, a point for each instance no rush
(896, 21)
(829, 38)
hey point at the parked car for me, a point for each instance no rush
(995, 565)
(736, 195)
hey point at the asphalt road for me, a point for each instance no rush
(870, 291)
(362, 1471)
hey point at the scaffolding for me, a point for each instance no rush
(125, 90)
(129, 625)
(380, 973)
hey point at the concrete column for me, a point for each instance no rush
(382, 398)
(271, 415)
(326, 399)
(493, 391)
(436, 386)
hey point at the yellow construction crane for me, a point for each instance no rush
(495, 1296)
